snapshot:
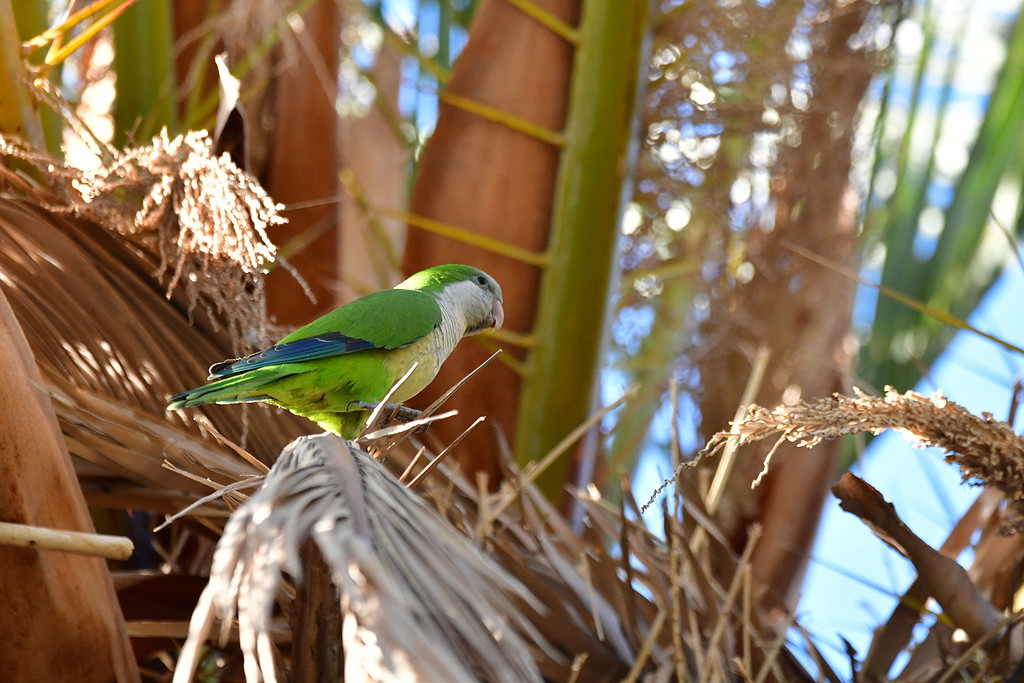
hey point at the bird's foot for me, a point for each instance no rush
(391, 411)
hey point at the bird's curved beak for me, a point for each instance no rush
(497, 313)
(494, 320)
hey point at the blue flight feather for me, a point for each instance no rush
(298, 351)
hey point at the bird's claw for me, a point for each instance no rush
(391, 411)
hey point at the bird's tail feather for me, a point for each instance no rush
(243, 389)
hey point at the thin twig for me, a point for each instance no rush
(376, 413)
(645, 649)
(754, 381)
(534, 469)
(245, 483)
(443, 454)
(412, 464)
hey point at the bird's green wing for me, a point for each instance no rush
(388, 319)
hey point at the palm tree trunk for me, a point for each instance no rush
(797, 308)
(63, 620)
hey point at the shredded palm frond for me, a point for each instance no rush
(413, 592)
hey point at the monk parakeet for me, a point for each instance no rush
(356, 353)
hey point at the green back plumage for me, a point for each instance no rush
(384, 320)
(387, 319)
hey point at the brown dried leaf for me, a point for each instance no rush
(945, 580)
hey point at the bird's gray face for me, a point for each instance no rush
(486, 306)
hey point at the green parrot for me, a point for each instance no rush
(356, 353)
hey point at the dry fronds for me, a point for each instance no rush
(945, 580)
(896, 633)
(413, 593)
(200, 215)
(129, 443)
(985, 449)
(110, 347)
(622, 603)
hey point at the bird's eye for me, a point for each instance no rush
(481, 280)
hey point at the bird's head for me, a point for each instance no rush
(469, 290)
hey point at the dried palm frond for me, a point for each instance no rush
(417, 600)
(108, 345)
(622, 602)
(132, 444)
(110, 348)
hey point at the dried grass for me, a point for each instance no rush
(623, 603)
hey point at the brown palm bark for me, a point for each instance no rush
(796, 308)
(371, 246)
(303, 166)
(62, 618)
(485, 177)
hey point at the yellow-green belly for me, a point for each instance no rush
(323, 391)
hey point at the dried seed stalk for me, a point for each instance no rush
(985, 449)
